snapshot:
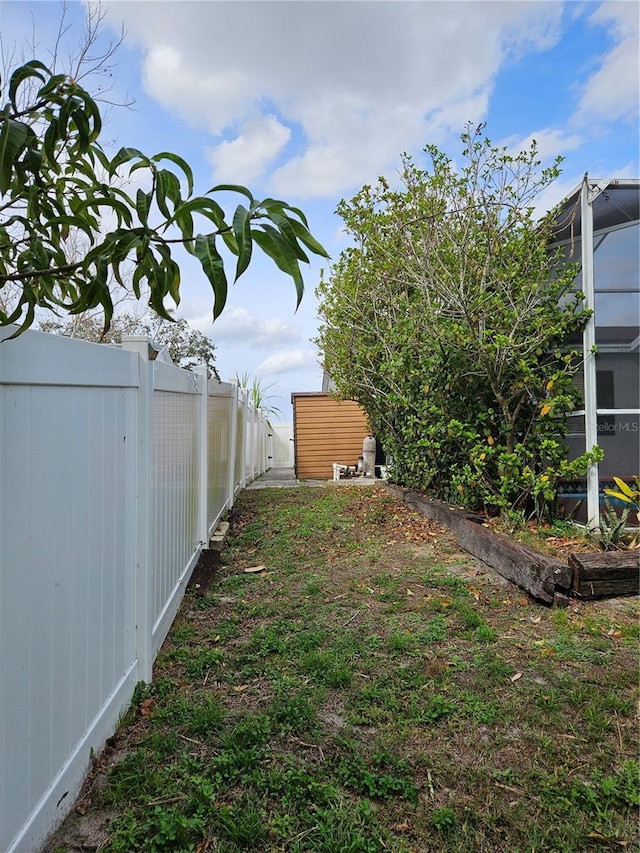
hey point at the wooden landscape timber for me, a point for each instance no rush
(602, 575)
(545, 579)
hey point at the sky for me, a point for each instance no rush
(307, 100)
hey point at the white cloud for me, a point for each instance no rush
(252, 151)
(202, 97)
(551, 143)
(287, 361)
(361, 147)
(237, 325)
(612, 92)
(357, 82)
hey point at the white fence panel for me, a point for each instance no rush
(175, 477)
(263, 445)
(249, 448)
(241, 440)
(255, 456)
(113, 470)
(67, 590)
(221, 402)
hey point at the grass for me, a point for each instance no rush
(373, 690)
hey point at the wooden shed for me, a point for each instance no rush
(325, 431)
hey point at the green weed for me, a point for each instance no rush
(380, 777)
(243, 824)
(198, 714)
(292, 711)
(443, 820)
(203, 662)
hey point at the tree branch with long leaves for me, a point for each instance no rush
(56, 179)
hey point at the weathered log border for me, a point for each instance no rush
(601, 575)
(545, 579)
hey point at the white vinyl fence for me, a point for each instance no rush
(115, 469)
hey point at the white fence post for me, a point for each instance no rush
(203, 455)
(233, 444)
(144, 508)
(252, 439)
(265, 445)
(244, 397)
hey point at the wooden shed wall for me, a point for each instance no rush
(326, 431)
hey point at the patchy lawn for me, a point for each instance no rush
(374, 689)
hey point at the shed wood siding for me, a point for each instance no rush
(326, 431)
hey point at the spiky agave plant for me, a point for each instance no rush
(629, 495)
(258, 394)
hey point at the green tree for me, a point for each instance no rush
(450, 323)
(56, 180)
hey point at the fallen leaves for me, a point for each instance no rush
(146, 707)
(404, 524)
(604, 839)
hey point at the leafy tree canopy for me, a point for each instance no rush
(450, 322)
(56, 181)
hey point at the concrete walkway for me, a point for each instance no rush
(275, 478)
(284, 478)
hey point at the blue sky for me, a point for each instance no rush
(309, 99)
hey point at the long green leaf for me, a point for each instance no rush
(51, 85)
(172, 273)
(125, 241)
(65, 221)
(230, 240)
(143, 205)
(283, 225)
(123, 156)
(207, 253)
(281, 206)
(92, 114)
(184, 221)
(298, 213)
(82, 126)
(13, 135)
(51, 140)
(167, 187)
(242, 233)
(124, 213)
(235, 188)
(271, 204)
(186, 168)
(159, 285)
(29, 69)
(273, 245)
(205, 207)
(305, 236)
(161, 198)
